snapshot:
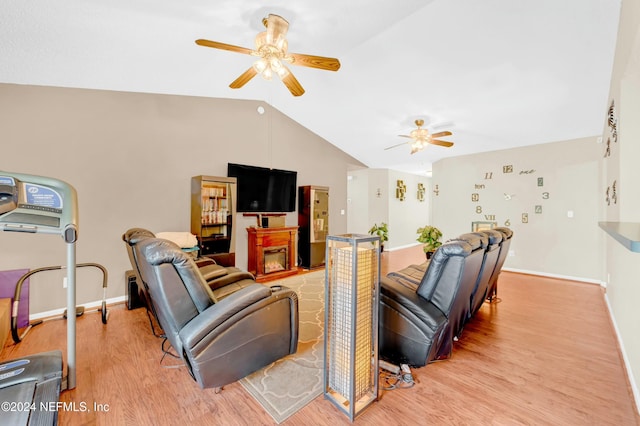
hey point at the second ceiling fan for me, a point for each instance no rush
(421, 138)
(271, 48)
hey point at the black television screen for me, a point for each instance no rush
(262, 190)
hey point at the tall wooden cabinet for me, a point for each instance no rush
(313, 222)
(213, 209)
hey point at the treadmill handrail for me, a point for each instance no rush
(17, 337)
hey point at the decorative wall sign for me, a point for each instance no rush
(510, 182)
(401, 189)
(436, 190)
(611, 193)
(612, 121)
(607, 151)
(421, 191)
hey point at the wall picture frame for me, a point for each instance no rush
(482, 225)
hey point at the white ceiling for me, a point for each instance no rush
(497, 73)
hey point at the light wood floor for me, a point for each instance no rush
(544, 355)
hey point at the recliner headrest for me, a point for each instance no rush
(134, 235)
(444, 254)
(158, 251)
(494, 236)
(164, 251)
(507, 232)
(454, 248)
(475, 239)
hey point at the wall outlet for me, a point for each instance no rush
(64, 282)
(512, 253)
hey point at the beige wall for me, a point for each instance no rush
(131, 156)
(622, 269)
(550, 242)
(372, 199)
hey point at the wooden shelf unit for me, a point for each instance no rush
(213, 209)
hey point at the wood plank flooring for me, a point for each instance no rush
(544, 354)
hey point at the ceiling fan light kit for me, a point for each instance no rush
(271, 47)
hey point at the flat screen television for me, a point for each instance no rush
(264, 190)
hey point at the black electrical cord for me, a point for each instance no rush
(153, 329)
(167, 351)
(399, 380)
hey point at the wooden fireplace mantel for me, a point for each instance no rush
(261, 239)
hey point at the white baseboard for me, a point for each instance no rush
(402, 247)
(88, 305)
(627, 364)
(561, 277)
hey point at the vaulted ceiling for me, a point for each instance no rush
(496, 73)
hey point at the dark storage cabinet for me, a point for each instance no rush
(313, 223)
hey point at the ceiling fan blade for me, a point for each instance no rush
(441, 134)
(292, 83)
(244, 78)
(311, 61)
(405, 136)
(223, 46)
(441, 143)
(396, 145)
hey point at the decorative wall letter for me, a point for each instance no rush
(401, 189)
(421, 191)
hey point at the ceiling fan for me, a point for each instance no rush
(271, 48)
(421, 137)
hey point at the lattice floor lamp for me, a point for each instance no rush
(352, 292)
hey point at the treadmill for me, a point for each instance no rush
(30, 386)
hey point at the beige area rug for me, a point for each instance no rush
(292, 382)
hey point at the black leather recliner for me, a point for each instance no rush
(418, 326)
(507, 234)
(491, 241)
(223, 280)
(219, 341)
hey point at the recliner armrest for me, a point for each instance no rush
(229, 278)
(204, 327)
(211, 272)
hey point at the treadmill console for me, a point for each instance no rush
(8, 194)
(36, 204)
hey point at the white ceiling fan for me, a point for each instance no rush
(271, 48)
(421, 138)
